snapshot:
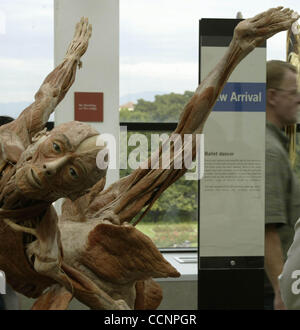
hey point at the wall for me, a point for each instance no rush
(100, 71)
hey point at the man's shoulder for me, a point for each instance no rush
(274, 145)
(275, 149)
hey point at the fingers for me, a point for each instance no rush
(86, 31)
(78, 29)
(275, 15)
(272, 21)
(83, 29)
(82, 34)
(86, 28)
(265, 14)
(284, 15)
(84, 24)
(290, 16)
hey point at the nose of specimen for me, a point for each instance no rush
(50, 168)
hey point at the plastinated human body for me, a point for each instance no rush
(93, 252)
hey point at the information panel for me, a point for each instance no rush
(232, 189)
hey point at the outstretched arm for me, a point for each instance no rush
(145, 186)
(124, 199)
(57, 83)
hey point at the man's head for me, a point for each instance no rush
(283, 98)
(62, 165)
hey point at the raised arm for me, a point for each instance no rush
(56, 84)
(125, 198)
(144, 186)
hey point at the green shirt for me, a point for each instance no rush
(282, 188)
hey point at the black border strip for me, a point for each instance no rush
(132, 126)
(218, 26)
(231, 289)
(215, 41)
(231, 262)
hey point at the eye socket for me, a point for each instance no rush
(73, 173)
(56, 147)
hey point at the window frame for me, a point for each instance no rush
(168, 127)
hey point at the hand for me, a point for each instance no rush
(79, 44)
(253, 31)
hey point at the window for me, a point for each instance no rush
(158, 74)
(172, 220)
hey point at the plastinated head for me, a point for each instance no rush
(63, 165)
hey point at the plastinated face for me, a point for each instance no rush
(64, 164)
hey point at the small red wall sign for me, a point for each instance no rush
(88, 106)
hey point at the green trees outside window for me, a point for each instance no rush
(172, 221)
